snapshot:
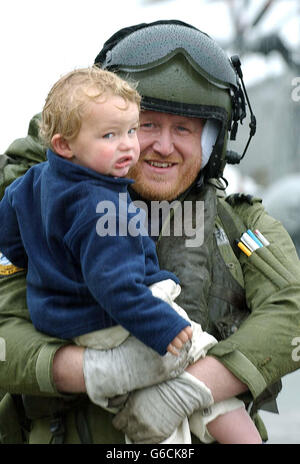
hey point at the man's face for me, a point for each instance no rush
(170, 156)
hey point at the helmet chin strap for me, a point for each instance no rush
(208, 139)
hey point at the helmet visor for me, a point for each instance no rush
(151, 46)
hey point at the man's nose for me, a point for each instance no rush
(163, 143)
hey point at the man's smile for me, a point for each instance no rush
(160, 164)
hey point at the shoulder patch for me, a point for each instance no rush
(6, 267)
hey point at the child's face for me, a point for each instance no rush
(107, 141)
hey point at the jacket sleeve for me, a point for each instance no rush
(25, 354)
(114, 269)
(261, 351)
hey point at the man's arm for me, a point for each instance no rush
(68, 369)
(221, 382)
(259, 353)
(26, 355)
(68, 374)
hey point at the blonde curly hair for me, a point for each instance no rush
(69, 97)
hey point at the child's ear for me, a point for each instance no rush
(61, 146)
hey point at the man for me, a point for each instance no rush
(192, 101)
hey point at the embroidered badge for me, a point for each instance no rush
(6, 267)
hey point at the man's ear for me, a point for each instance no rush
(61, 146)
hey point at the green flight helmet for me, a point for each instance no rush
(181, 70)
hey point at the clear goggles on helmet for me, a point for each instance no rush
(157, 44)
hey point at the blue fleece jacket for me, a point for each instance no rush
(78, 281)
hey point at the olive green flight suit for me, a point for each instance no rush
(251, 304)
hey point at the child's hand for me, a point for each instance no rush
(180, 340)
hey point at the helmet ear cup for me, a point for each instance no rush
(209, 136)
